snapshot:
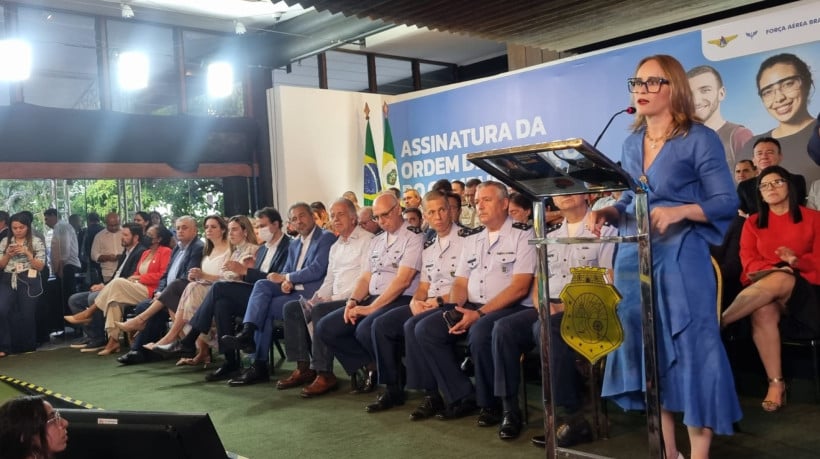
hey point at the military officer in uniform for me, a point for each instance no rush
(493, 280)
(387, 281)
(390, 331)
(512, 337)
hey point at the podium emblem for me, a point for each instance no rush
(590, 324)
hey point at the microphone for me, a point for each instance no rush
(629, 110)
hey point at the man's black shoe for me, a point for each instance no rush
(385, 401)
(242, 341)
(459, 409)
(132, 358)
(367, 384)
(510, 425)
(429, 407)
(226, 371)
(539, 441)
(573, 432)
(489, 417)
(257, 373)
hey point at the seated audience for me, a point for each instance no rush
(30, 428)
(22, 257)
(780, 252)
(765, 152)
(199, 279)
(226, 300)
(129, 291)
(302, 275)
(314, 361)
(132, 249)
(186, 256)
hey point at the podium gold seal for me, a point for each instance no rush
(590, 324)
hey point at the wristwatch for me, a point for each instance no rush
(480, 313)
(440, 301)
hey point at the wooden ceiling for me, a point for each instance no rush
(546, 24)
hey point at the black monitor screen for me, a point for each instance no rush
(101, 434)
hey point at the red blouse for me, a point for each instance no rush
(156, 268)
(758, 245)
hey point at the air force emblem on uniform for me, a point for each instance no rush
(521, 226)
(590, 324)
(464, 232)
(414, 229)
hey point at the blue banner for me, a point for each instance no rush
(576, 97)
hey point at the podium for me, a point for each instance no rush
(565, 167)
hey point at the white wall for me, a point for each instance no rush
(317, 142)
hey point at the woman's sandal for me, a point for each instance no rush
(771, 406)
(204, 360)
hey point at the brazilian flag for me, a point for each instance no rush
(372, 184)
(390, 169)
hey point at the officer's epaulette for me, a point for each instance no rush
(429, 242)
(464, 232)
(521, 226)
(554, 227)
(414, 229)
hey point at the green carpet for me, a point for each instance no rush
(262, 422)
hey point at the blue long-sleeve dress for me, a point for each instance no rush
(695, 376)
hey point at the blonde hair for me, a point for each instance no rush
(681, 105)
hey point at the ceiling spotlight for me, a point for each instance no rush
(127, 12)
(239, 28)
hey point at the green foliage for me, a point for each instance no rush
(170, 197)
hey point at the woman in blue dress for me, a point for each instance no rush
(691, 203)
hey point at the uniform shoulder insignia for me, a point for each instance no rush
(554, 227)
(522, 226)
(429, 242)
(464, 232)
(414, 229)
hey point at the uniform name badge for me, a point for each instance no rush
(590, 325)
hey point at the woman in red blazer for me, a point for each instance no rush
(129, 291)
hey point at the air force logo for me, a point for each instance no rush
(722, 42)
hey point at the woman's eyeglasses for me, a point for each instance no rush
(787, 86)
(777, 183)
(53, 417)
(651, 85)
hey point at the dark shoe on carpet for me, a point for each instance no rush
(385, 401)
(226, 371)
(429, 407)
(175, 349)
(367, 384)
(458, 410)
(573, 432)
(296, 379)
(242, 341)
(510, 427)
(539, 441)
(257, 373)
(132, 358)
(489, 417)
(324, 383)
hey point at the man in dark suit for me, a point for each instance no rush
(765, 152)
(186, 255)
(303, 274)
(270, 258)
(94, 338)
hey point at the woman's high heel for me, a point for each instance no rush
(772, 406)
(110, 348)
(131, 325)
